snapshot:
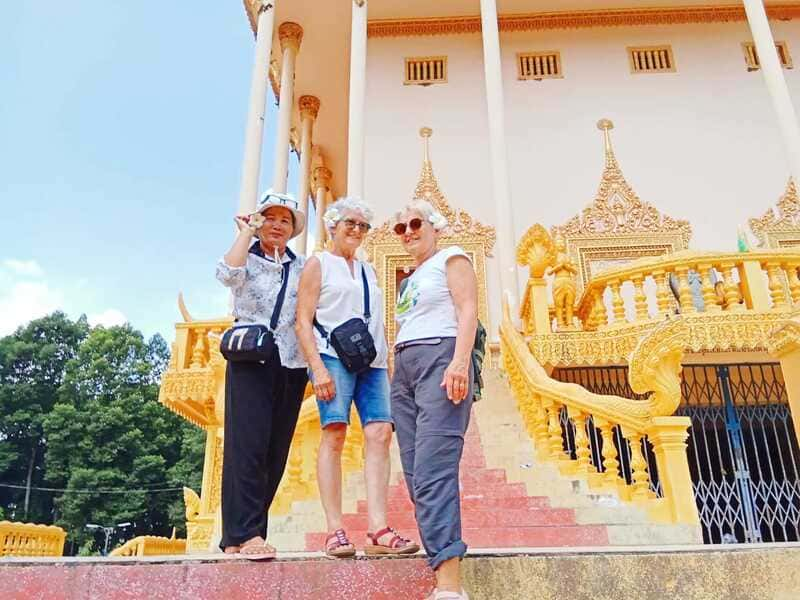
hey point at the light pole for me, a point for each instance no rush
(107, 531)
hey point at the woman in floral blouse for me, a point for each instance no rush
(262, 400)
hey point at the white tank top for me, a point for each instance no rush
(425, 309)
(341, 297)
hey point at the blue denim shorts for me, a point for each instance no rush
(369, 390)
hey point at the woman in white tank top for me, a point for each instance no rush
(332, 292)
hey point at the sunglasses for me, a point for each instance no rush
(413, 225)
(282, 199)
(350, 224)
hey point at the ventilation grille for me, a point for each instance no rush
(426, 70)
(539, 65)
(751, 55)
(651, 59)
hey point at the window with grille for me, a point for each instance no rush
(751, 55)
(651, 59)
(426, 70)
(539, 65)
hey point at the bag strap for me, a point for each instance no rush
(367, 313)
(273, 322)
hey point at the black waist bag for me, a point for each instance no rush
(255, 343)
(352, 340)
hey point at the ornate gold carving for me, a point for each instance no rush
(290, 35)
(655, 365)
(388, 256)
(309, 107)
(745, 331)
(784, 229)
(192, 502)
(575, 19)
(784, 338)
(564, 272)
(617, 209)
(322, 178)
(618, 226)
(536, 251)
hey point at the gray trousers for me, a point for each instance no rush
(430, 433)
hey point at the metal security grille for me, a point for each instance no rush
(742, 449)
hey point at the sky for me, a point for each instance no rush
(121, 142)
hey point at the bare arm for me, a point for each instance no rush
(237, 255)
(464, 289)
(307, 301)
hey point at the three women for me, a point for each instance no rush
(431, 391)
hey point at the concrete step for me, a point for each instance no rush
(689, 572)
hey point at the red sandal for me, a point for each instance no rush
(396, 546)
(340, 547)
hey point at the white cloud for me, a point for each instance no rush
(25, 301)
(108, 318)
(25, 268)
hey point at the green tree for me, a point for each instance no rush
(32, 362)
(108, 431)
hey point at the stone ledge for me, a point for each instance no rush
(644, 573)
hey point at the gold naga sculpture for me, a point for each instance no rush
(564, 288)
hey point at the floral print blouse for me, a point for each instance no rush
(255, 289)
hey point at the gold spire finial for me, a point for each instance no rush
(606, 125)
(425, 133)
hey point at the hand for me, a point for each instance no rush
(324, 388)
(456, 380)
(248, 223)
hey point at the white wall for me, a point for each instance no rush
(701, 144)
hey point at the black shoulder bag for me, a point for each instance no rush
(352, 340)
(255, 342)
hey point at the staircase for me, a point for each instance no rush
(509, 499)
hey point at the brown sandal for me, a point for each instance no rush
(397, 545)
(257, 549)
(340, 547)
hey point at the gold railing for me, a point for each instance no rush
(757, 281)
(151, 545)
(603, 428)
(28, 539)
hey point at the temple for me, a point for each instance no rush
(622, 175)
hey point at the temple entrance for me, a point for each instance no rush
(742, 449)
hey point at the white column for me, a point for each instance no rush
(776, 83)
(322, 181)
(309, 108)
(497, 150)
(358, 77)
(254, 133)
(290, 34)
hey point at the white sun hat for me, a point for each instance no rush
(287, 201)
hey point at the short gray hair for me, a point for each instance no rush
(335, 212)
(428, 212)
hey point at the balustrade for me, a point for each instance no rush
(701, 283)
(616, 444)
(29, 539)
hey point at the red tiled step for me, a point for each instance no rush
(533, 502)
(476, 501)
(496, 490)
(482, 476)
(476, 518)
(532, 537)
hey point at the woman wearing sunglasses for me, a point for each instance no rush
(339, 293)
(262, 398)
(437, 313)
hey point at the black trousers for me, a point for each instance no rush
(262, 402)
